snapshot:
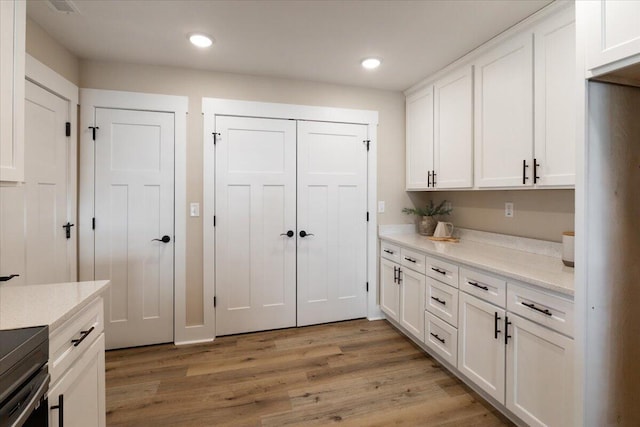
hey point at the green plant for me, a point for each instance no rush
(429, 210)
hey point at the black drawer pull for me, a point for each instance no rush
(439, 300)
(389, 252)
(533, 307)
(437, 337)
(496, 331)
(478, 286)
(437, 270)
(83, 335)
(410, 259)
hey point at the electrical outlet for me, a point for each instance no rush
(381, 206)
(447, 206)
(508, 209)
(194, 209)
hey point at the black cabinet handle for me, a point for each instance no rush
(533, 307)
(437, 337)
(289, 233)
(389, 252)
(478, 286)
(165, 239)
(410, 259)
(535, 171)
(304, 233)
(439, 300)
(67, 228)
(9, 277)
(524, 171)
(60, 408)
(437, 270)
(433, 184)
(83, 335)
(395, 277)
(428, 178)
(399, 275)
(496, 331)
(506, 330)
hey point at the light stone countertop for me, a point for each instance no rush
(50, 304)
(540, 270)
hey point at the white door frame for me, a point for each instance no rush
(90, 99)
(43, 76)
(228, 107)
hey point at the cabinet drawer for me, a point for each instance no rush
(441, 338)
(549, 310)
(442, 300)
(413, 260)
(484, 286)
(66, 343)
(442, 271)
(390, 251)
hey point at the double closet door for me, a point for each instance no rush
(290, 202)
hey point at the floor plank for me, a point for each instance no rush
(355, 373)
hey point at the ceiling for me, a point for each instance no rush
(320, 40)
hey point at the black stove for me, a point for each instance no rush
(24, 377)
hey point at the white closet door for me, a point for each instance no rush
(332, 208)
(134, 180)
(255, 206)
(49, 251)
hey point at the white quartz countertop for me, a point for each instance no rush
(544, 271)
(50, 304)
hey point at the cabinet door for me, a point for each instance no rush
(389, 289)
(12, 53)
(613, 31)
(481, 355)
(412, 286)
(453, 130)
(555, 99)
(81, 391)
(539, 374)
(504, 114)
(419, 139)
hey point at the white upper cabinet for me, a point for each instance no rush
(453, 130)
(12, 58)
(419, 136)
(504, 114)
(555, 100)
(613, 31)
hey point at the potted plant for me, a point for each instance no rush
(425, 221)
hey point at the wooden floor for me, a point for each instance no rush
(355, 373)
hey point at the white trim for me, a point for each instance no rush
(45, 77)
(90, 99)
(211, 107)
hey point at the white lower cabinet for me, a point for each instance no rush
(389, 289)
(539, 374)
(481, 355)
(441, 337)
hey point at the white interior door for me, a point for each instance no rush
(255, 205)
(49, 252)
(134, 197)
(332, 209)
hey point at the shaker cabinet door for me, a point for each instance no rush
(419, 139)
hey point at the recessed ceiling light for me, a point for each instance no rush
(371, 63)
(200, 40)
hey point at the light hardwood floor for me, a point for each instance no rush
(355, 373)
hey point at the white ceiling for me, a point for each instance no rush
(320, 40)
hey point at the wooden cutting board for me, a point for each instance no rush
(444, 239)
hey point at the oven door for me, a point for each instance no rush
(28, 405)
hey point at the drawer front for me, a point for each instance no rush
(549, 310)
(413, 260)
(484, 286)
(390, 251)
(64, 342)
(442, 300)
(442, 271)
(442, 338)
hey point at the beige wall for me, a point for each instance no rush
(198, 84)
(51, 53)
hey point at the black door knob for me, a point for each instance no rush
(165, 239)
(304, 233)
(5, 278)
(289, 233)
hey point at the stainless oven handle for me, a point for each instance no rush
(35, 399)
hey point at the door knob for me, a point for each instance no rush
(304, 233)
(165, 239)
(9, 277)
(289, 233)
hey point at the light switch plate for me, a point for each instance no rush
(194, 209)
(508, 209)
(381, 206)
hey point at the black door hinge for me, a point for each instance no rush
(214, 301)
(67, 129)
(367, 142)
(367, 216)
(367, 286)
(214, 220)
(93, 223)
(93, 130)
(215, 137)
